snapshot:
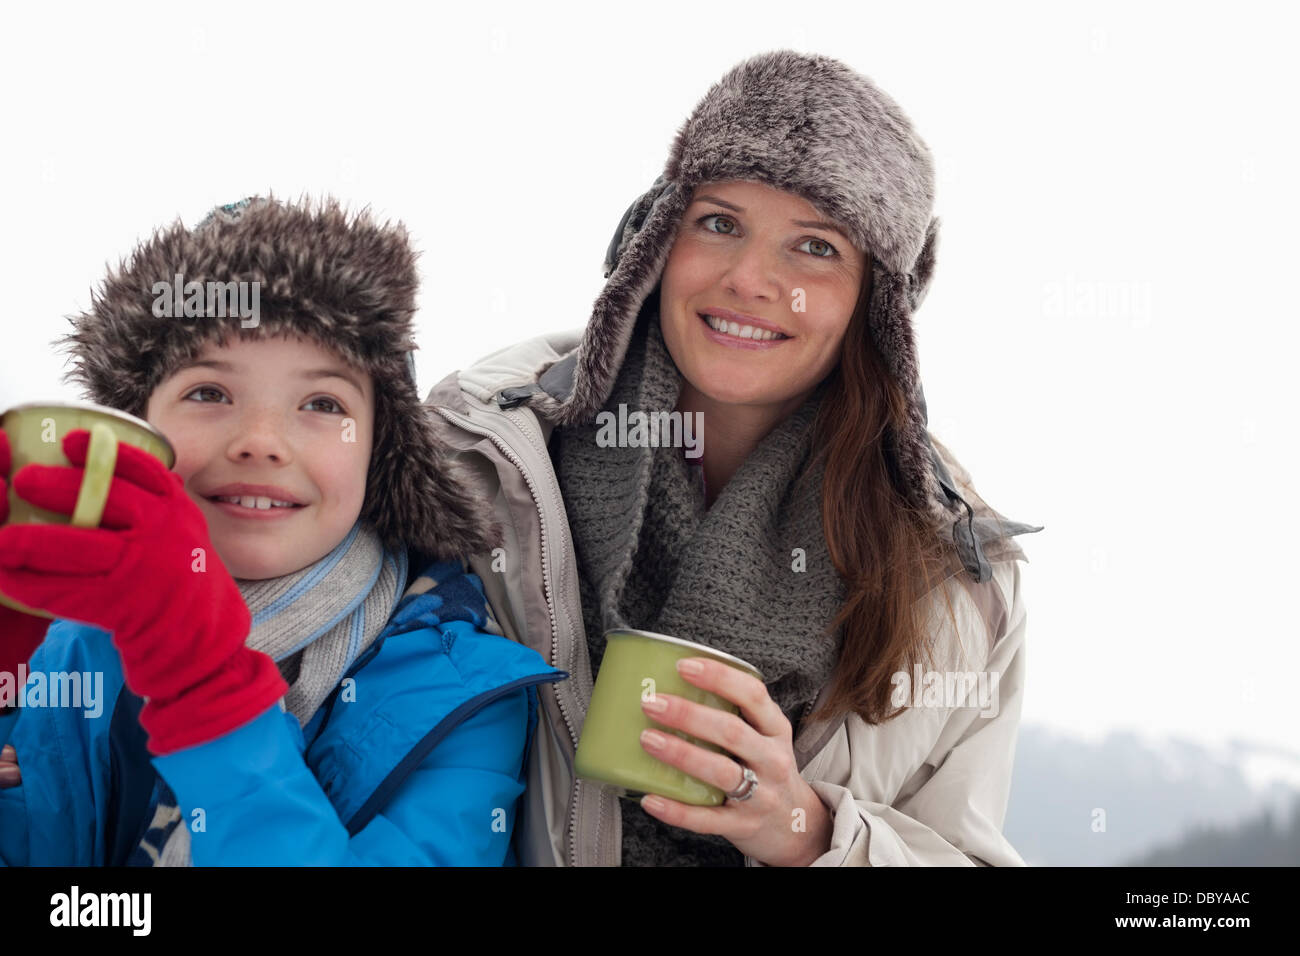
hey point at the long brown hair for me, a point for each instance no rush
(887, 553)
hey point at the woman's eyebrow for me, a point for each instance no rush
(720, 202)
(820, 224)
(806, 223)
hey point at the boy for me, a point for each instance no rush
(270, 562)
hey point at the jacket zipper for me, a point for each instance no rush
(462, 421)
(458, 715)
(520, 419)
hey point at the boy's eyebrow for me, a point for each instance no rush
(222, 366)
(333, 373)
(806, 223)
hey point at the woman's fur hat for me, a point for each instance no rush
(343, 281)
(809, 125)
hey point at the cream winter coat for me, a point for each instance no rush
(928, 788)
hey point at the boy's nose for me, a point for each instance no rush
(260, 439)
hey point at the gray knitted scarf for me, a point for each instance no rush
(314, 624)
(750, 575)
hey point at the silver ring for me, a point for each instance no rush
(745, 789)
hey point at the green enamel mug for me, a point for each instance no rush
(637, 664)
(36, 432)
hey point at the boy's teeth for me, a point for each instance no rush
(260, 502)
(741, 331)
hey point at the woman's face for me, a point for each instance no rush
(760, 257)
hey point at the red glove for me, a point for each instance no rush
(20, 634)
(180, 632)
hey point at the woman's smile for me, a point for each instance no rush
(741, 331)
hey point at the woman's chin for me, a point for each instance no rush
(728, 388)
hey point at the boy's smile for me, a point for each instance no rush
(273, 440)
(255, 501)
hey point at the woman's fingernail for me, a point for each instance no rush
(653, 803)
(653, 739)
(655, 704)
(688, 666)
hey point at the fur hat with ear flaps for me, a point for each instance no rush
(811, 126)
(347, 283)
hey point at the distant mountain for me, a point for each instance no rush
(1152, 794)
(1260, 841)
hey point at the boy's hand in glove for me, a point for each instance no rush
(180, 631)
(20, 633)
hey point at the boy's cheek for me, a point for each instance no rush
(188, 458)
(182, 465)
(185, 470)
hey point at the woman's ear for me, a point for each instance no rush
(634, 219)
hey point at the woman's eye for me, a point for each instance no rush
(337, 407)
(206, 388)
(731, 225)
(819, 248)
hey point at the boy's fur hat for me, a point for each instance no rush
(809, 125)
(347, 283)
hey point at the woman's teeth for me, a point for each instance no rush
(259, 502)
(741, 331)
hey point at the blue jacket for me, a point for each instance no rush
(418, 759)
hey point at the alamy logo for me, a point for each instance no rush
(211, 300)
(102, 909)
(651, 429)
(84, 689)
(947, 689)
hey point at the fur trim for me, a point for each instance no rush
(808, 125)
(345, 282)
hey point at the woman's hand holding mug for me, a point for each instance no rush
(783, 822)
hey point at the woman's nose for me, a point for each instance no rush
(753, 274)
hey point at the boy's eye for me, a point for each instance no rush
(337, 407)
(730, 224)
(206, 388)
(332, 407)
(819, 248)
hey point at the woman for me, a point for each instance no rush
(767, 279)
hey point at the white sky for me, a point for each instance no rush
(1107, 344)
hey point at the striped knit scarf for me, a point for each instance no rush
(314, 624)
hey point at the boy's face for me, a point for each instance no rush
(282, 413)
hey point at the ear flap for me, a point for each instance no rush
(923, 268)
(634, 219)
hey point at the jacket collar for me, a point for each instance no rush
(975, 534)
